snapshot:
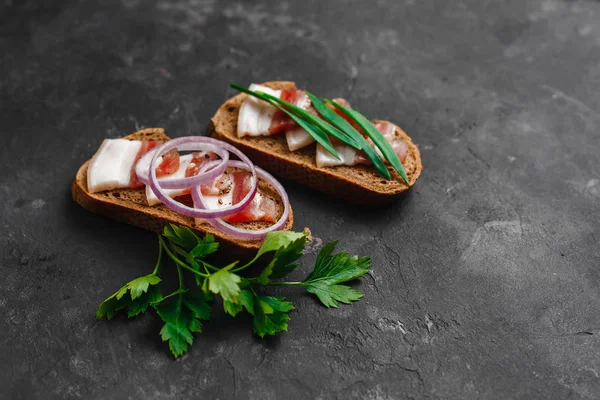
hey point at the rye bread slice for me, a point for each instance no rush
(358, 184)
(130, 206)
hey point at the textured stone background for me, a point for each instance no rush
(485, 280)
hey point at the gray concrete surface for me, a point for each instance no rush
(485, 279)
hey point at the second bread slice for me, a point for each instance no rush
(358, 184)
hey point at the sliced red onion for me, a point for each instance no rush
(241, 233)
(176, 206)
(143, 165)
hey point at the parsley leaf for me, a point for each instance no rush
(277, 240)
(246, 300)
(288, 248)
(140, 304)
(196, 267)
(112, 304)
(204, 247)
(136, 303)
(140, 285)
(231, 308)
(270, 314)
(182, 315)
(331, 270)
(226, 284)
(182, 236)
(331, 294)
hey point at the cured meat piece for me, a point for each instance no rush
(388, 131)
(260, 208)
(344, 103)
(282, 122)
(184, 162)
(350, 156)
(258, 118)
(168, 165)
(197, 161)
(189, 165)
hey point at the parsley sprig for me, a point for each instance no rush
(331, 124)
(184, 310)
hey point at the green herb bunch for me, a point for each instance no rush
(183, 310)
(329, 123)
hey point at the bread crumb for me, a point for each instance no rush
(308, 234)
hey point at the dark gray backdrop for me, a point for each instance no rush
(485, 278)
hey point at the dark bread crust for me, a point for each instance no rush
(130, 206)
(355, 184)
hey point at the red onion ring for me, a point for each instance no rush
(195, 212)
(143, 165)
(241, 233)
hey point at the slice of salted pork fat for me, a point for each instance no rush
(255, 115)
(112, 165)
(298, 138)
